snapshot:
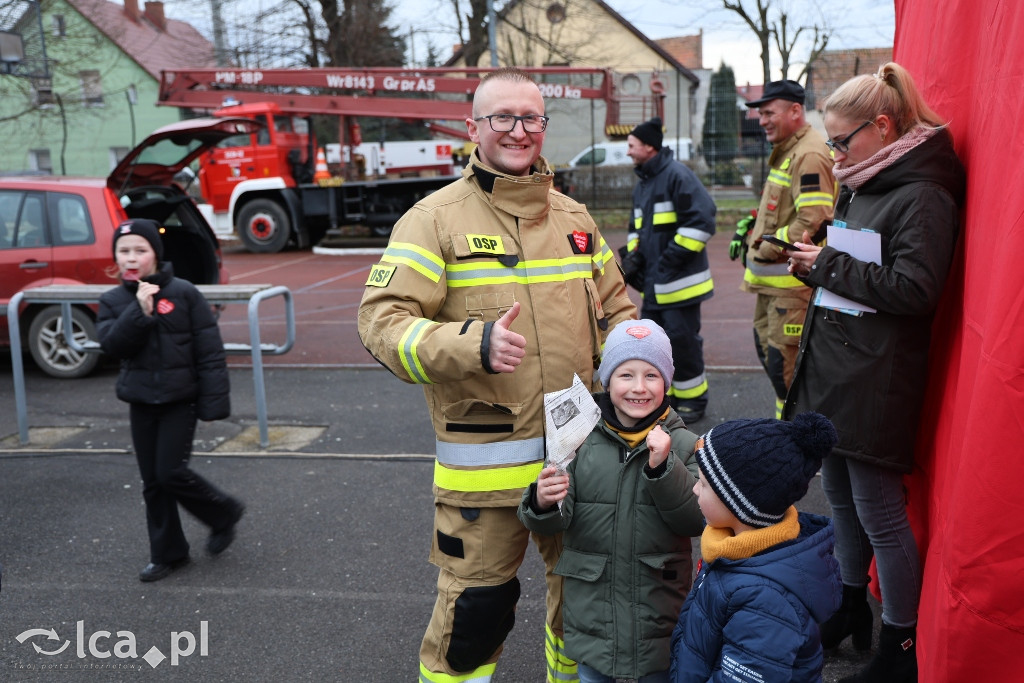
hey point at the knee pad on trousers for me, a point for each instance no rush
(775, 366)
(484, 616)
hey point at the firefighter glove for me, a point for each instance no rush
(736, 246)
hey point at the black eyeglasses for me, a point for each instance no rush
(843, 146)
(506, 123)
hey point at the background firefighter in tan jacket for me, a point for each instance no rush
(492, 291)
(798, 196)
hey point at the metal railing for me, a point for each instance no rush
(69, 295)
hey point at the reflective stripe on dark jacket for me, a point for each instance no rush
(673, 218)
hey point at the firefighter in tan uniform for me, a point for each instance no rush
(798, 195)
(492, 291)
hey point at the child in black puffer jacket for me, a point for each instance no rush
(173, 372)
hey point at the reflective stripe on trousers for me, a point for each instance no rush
(481, 675)
(561, 669)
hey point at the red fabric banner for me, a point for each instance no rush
(967, 496)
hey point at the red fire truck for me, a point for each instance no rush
(261, 187)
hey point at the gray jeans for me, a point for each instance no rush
(870, 515)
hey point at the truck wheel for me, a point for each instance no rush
(50, 350)
(263, 226)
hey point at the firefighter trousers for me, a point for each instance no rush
(478, 552)
(778, 324)
(689, 388)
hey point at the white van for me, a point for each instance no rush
(614, 153)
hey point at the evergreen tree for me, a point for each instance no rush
(721, 118)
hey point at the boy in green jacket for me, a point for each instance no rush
(628, 512)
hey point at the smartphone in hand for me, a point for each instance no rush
(772, 239)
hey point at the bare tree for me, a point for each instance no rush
(771, 22)
(474, 31)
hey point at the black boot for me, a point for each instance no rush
(854, 618)
(895, 661)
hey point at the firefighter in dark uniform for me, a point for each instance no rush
(673, 219)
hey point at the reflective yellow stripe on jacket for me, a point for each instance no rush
(407, 350)
(500, 465)
(816, 198)
(692, 239)
(780, 177)
(495, 479)
(664, 213)
(685, 288)
(426, 263)
(770, 275)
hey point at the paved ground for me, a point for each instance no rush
(329, 578)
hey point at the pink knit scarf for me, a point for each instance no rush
(855, 176)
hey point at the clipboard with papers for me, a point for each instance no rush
(863, 245)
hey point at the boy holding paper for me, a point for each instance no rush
(628, 512)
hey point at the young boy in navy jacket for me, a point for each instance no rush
(767, 576)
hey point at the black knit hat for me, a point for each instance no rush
(758, 468)
(791, 91)
(649, 133)
(145, 228)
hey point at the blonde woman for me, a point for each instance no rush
(867, 372)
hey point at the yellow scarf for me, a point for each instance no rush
(634, 438)
(716, 543)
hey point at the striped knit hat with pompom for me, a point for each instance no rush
(758, 468)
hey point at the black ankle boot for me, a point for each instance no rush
(854, 618)
(895, 661)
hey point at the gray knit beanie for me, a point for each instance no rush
(637, 340)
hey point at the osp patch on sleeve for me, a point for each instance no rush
(380, 275)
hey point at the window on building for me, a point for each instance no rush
(92, 88)
(116, 155)
(39, 160)
(42, 92)
(59, 27)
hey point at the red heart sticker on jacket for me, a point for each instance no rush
(163, 307)
(582, 240)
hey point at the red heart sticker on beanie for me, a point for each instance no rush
(638, 331)
(163, 307)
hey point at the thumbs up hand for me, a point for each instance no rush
(506, 348)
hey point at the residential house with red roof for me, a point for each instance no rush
(104, 61)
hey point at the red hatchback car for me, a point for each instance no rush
(59, 230)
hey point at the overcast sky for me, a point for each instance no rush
(855, 23)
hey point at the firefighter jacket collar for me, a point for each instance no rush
(655, 164)
(524, 197)
(786, 145)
